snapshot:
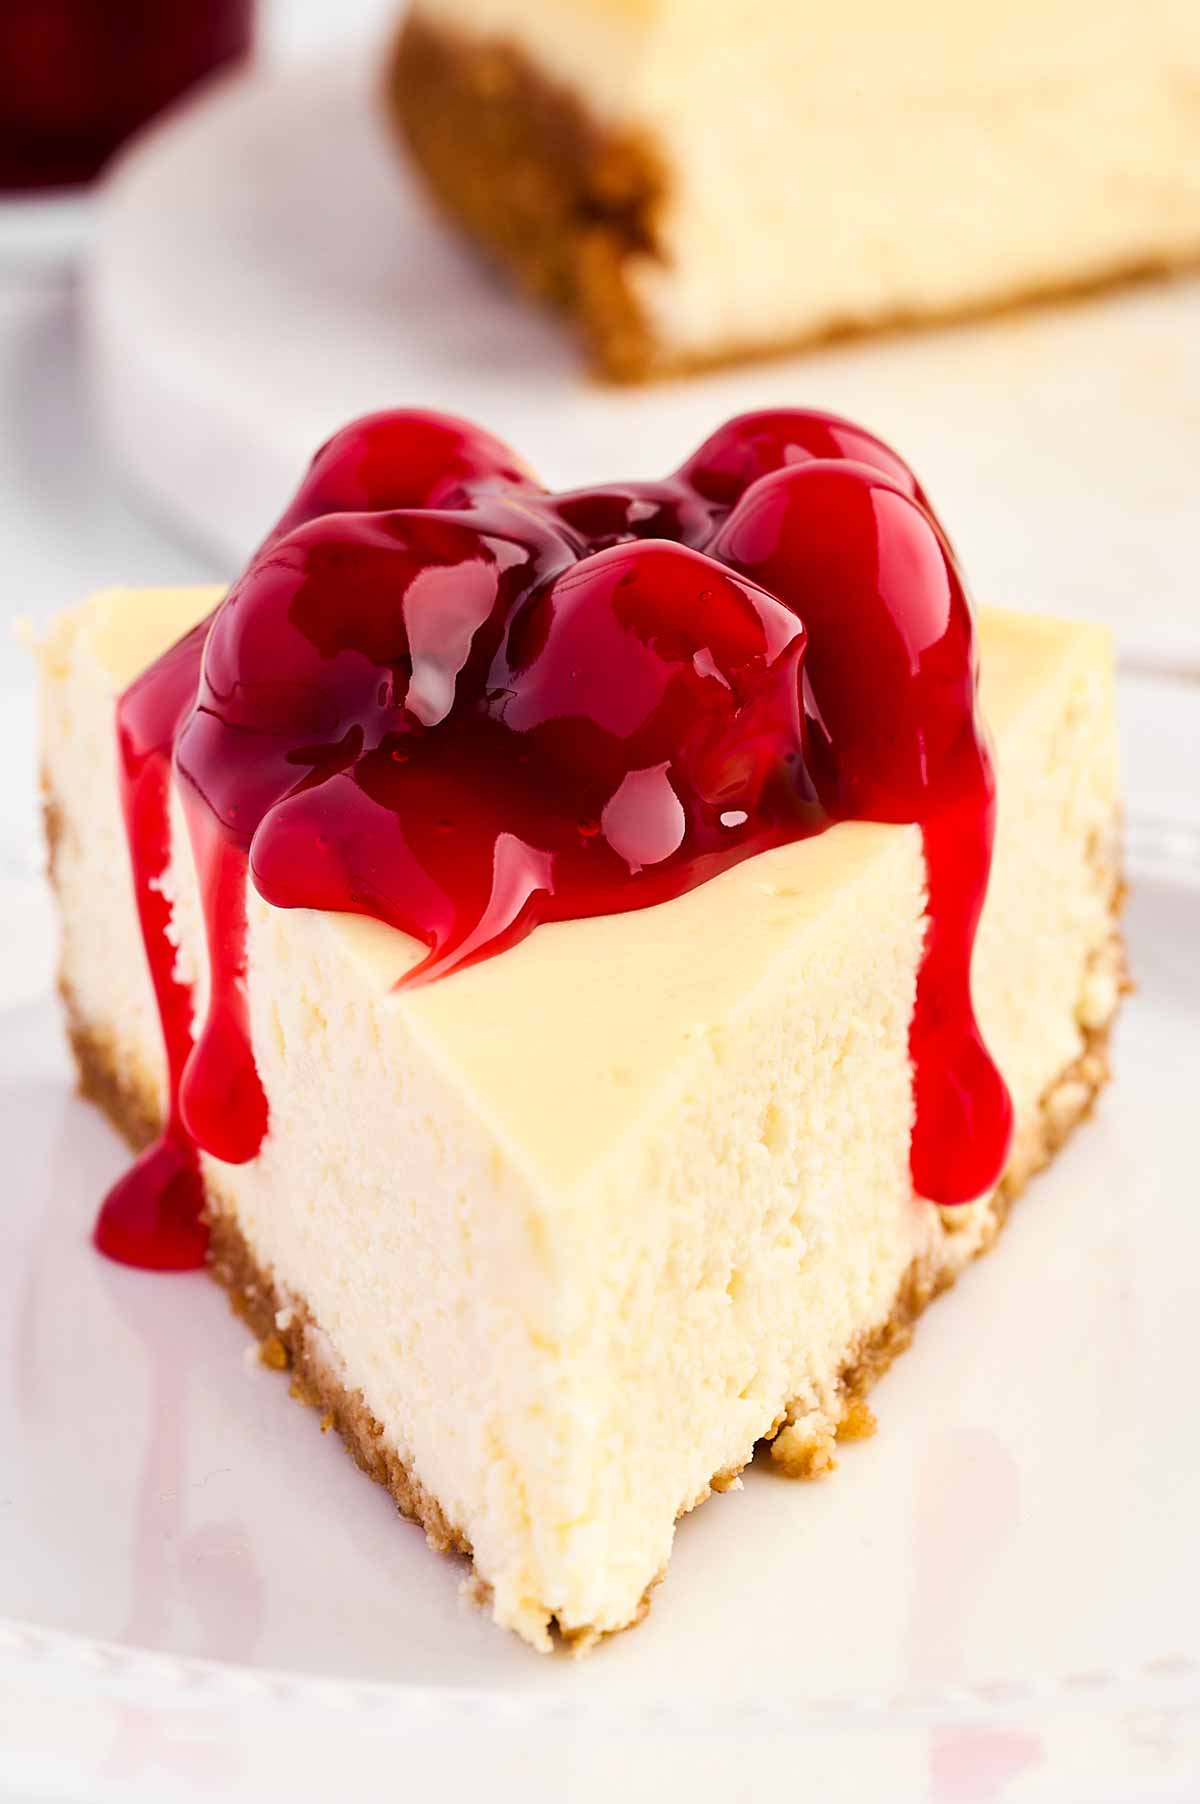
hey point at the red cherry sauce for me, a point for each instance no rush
(444, 698)
(152, 1216)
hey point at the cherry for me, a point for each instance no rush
(402, 458)
(293, 689)
(753, 445)
(709, 676)
(891, 664)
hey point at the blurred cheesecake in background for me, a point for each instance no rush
(692, 182)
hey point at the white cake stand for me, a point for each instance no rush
(265, 269)
(44, 233)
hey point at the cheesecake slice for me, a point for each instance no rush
(557, 1233)
(692, 184)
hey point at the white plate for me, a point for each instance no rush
(265, 269)
(45, 233)
(996, 1598)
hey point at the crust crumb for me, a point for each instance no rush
(858, 1423)
(272, 1352)
(799, 1454)
(476, 1592)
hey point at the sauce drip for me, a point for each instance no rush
(443, 697)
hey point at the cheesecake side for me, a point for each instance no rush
(562, 202)
(693, 186)
(570, 1274)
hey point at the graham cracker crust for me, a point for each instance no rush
(289, 1340)
(558, 201)
(287, 1336)
(565, 204)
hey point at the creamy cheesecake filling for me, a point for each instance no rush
(560, 1361)
(816, 170)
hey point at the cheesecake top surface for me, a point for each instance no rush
(462, 707)
(645, 61)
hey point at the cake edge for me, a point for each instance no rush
(288, 1336)
(559, 201)
(446, 94)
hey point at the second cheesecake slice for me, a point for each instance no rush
(692, 184)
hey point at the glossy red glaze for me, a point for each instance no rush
(444, 698)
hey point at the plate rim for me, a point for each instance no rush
(148, 1675)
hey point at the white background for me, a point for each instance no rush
(67, 525)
